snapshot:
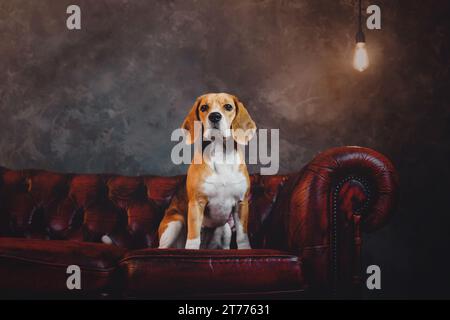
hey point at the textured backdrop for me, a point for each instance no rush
(106, 98)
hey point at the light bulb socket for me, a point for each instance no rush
(360, 37)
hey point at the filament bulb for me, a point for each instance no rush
(361, 59)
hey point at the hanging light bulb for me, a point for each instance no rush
(361, 58)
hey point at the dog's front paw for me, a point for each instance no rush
(193, 244)
(243, 244)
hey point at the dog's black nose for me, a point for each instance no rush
(214, 117)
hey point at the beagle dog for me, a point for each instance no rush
(215, 199)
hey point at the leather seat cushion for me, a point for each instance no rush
(28, 265)
(160, 272)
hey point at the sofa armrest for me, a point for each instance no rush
(340, 192)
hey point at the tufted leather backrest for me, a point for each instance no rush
(48, 205)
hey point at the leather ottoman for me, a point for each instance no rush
(189, 273)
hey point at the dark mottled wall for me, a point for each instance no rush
(106, 98)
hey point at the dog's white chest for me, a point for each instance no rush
(224, 188)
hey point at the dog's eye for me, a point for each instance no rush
(228, 107)
(203, 108)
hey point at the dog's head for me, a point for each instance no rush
(221, 112)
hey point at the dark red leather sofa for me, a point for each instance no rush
(305, 231)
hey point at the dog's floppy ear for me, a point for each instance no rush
(243, 127)
(188, 123)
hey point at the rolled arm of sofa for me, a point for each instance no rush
(340, 192)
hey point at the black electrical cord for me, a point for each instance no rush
(360, 34)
